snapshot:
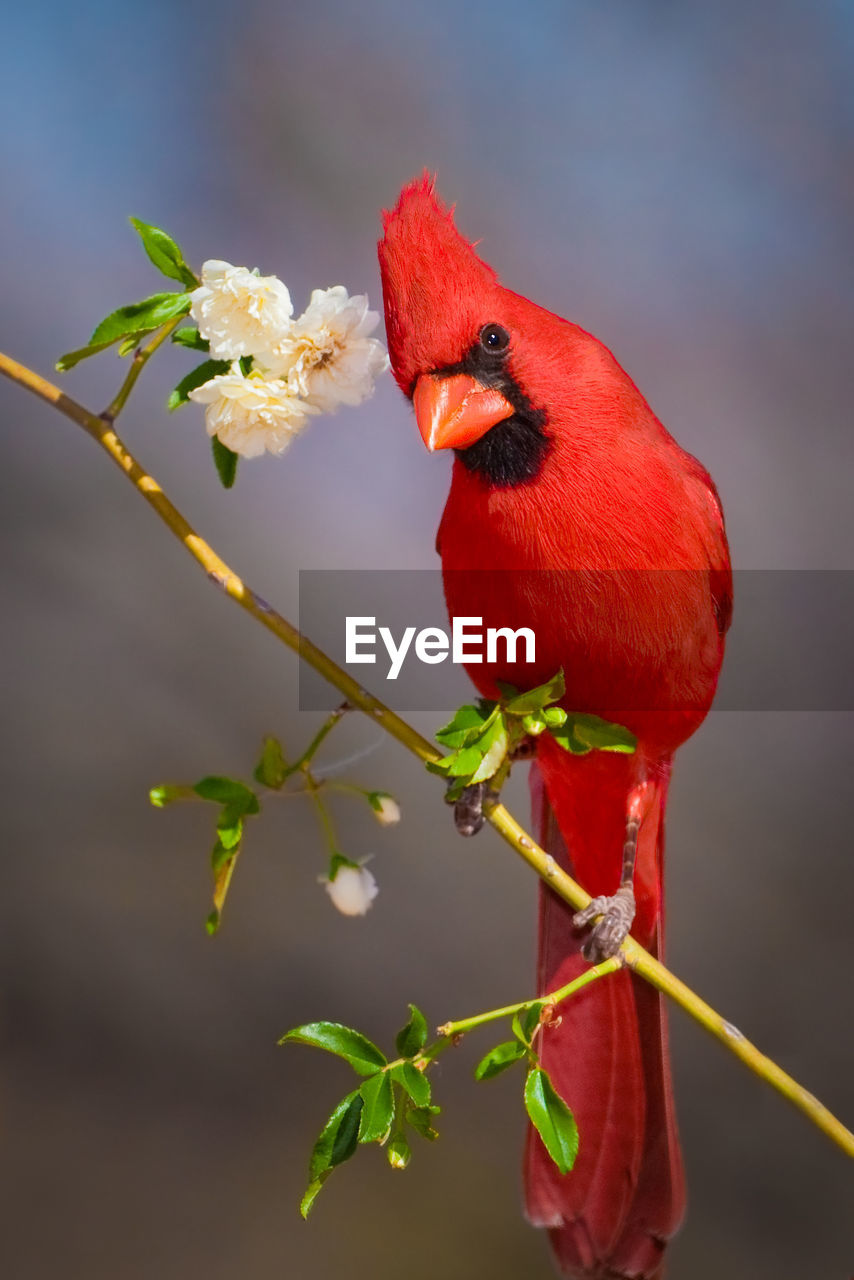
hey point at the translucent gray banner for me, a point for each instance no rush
(790, 646)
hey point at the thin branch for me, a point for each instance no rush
(138, 362)
(451, 1029)
(634, 956)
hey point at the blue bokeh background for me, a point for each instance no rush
(678, 179)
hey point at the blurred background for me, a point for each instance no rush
(676, 178)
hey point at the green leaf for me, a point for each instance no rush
(413, 1035)
(552, 1119)
(378, 1109)
(337, 1142)
(312, 1192)
(362, 1054)
(271, 769)
(421, 1119)
(535, 699)
(223, 862)
(529, 1018)
(221, 856)
(71, 358)
(190, 337)
(195, 378)
(583, 733)
(164, 253)
(499, 1059)
(398, 1152)
(229, 829)
(414, 1082)
(468, 721)
(464, 762)
(225, 461)
(140, 317)
(525, 1022)
(339, 1136)
(227, 791)
(602, 735)
(493, 746)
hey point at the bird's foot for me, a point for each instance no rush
(608, 935)
(468, 808)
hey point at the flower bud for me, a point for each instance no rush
(385, 807)
(398, 1152)
(352, 889)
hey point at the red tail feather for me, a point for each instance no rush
(613, 1213)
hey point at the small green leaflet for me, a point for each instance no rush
(413, 1081)
(525, 1021)
(271, 769)
(583, 733)
(362, 1054)
(227, 791)
(552, 1119)
(377, 1109)
(412, 1037)
(480, 740)
(521, 704)
(195, 378)
(467, 723)
(71, 358)
(225, 461)
(337, 1142)
(499, 1059)
(164, 253)
(421, 1119)
(190, 337)
(238, 801)
(140, 317)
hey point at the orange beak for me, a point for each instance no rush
(454, 412)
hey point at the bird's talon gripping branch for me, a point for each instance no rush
(606, 938)
(468, 807)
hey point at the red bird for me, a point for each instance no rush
(572, 511)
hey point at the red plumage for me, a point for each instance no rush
(613, 551)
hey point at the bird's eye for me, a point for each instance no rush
(494, 338)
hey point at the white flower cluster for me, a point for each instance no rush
(301, 367)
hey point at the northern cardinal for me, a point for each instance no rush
(572, 511)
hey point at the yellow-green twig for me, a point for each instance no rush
(139, 360)
(637, 959)
(451, 1029)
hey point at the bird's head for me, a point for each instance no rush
(461, 345)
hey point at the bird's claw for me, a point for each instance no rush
(608, 935)
(468, 808)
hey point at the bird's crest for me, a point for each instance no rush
(436, 290)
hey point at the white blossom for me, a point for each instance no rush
(385, 807)
(251, 413)
(240, 313)
(327, 355)
(352, 890)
